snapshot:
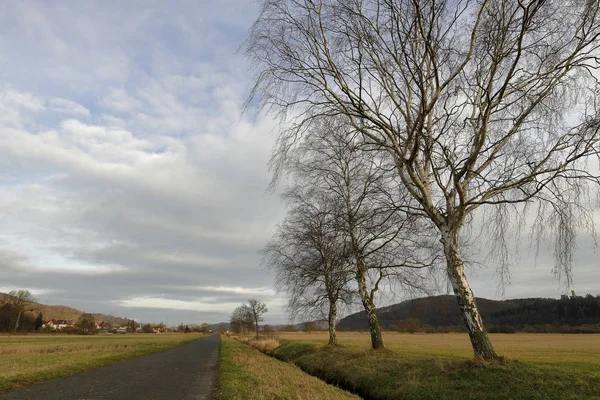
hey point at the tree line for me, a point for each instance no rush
(404, 121)
(570, 311)
(569, 314)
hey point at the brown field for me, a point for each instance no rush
(545, 348)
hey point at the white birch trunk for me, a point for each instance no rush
(331, 321)
(482, 347)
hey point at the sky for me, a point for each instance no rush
(131, 183)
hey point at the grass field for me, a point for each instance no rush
(246, 374)
(29, 359)
(440, 366)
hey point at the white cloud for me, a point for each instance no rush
(69, 107)
(207, 304)
(109, 202)
(119, 101)
(238, 290)
(22, 100)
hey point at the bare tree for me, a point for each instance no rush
(241, 320)
(479, 103)
(256, 309)
(17, 300)
(381, 239)
(309, 254)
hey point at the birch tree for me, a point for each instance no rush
(309, 255)
(385, 244)
(481, 104)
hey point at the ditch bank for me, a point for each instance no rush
(249, 374)
(389, 375)
(324, 363)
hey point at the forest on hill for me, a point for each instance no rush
(569, 314)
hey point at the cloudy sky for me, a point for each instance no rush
(130, 182)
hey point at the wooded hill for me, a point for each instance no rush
(63, 313)
(442, 311)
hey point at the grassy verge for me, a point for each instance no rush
(30, 359)
(420, 372)
(246, 374)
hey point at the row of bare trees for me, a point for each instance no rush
(472, 107)
(246, 317)
(345, 234)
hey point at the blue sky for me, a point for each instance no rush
(130, 181)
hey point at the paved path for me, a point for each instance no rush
(183, 373)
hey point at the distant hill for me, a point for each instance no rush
(443, 310)
(217, 326)
(67, 313)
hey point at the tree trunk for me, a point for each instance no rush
(482, 347)
(374, 328)
(18, 320)
(332, 318)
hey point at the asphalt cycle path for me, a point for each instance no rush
(186, 372)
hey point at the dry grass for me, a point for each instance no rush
(30, 359)
(29, 349)
(262, 344)
(435, 366)
(538, 348)
(246, 374)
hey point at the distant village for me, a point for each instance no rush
(103, 327)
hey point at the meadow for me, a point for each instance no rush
(441, 366)
(28, 359)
